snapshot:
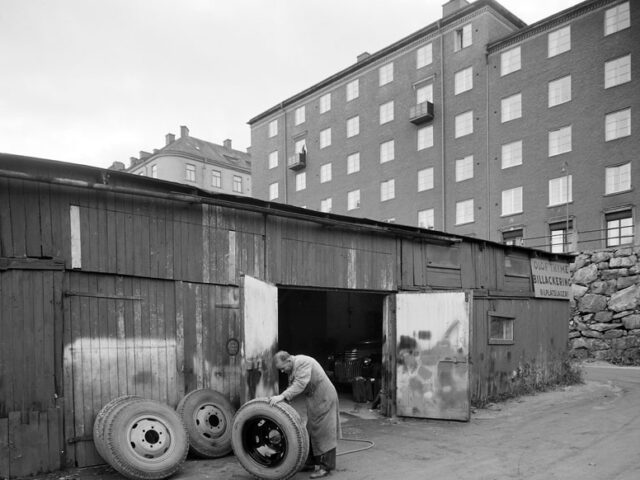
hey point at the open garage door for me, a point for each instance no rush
(432, 341)
(260, 340)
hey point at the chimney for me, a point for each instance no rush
(453, 6)
(170, 138)
(117, 166)
(144, 155)
(184, 131)
(363, 56)
(227, 143)
(133, 161)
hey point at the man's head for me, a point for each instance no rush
(283, 361)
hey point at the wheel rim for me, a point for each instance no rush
(264, 441)
(149, 437)
(210, 421)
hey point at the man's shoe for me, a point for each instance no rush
(309, 467)
(319, 473)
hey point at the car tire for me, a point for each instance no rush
(208, 417)
(98, 424)
(144, 439)
(270, 442)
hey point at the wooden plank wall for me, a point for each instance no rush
(134, 336)
(540, 338)
(306, 253)
(30, 417)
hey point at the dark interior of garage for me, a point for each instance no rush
(341, 330)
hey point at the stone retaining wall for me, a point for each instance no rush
(605, 321)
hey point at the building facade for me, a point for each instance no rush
(202, 164)
(478, 125)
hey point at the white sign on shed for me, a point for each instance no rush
(551, 279)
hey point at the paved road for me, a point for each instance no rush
(585, 432)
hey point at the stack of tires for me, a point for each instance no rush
(270, 442)
(140, 438)
(148, 440)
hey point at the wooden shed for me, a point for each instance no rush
(114, 284)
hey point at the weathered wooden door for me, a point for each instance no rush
(259, 301)
(121, 337)
(432, 348)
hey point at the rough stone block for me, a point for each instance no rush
(613, 334)
(598, 257)
(602, 355)
(603, 317)
(631, 322)
(586, 275)
(578, 291)
(598, 344)
(591, 334)
(624, 282)
(624, 252)
(579, 343)
(580, 261)
(603, 327)
(603, 265)
(592, 303)
(626, 299)
(623, 343)
(608, 287)
(622, 314)
(613, 273)
(622, 262)
(574, 334)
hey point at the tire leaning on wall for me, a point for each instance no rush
(270, 442)
(208, 417)
(143, 439)
(98, 424)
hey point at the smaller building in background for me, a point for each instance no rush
(205, 165)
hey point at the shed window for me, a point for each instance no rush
(500, 329)
(517, 266)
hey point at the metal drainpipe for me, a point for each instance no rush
(442, 138)
(286, 156)
(488, 169)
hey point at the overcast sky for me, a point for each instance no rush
(96, 81)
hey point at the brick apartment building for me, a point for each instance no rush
(477, 125)
(190, 160)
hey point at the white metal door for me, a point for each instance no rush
(260, 340)
(432, 347)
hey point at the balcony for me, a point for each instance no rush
(421, 113)
(297, 161)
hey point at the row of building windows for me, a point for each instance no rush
(618, 230)
(617, 71)
(559, 41)
(617, 180)
(216, 178)
(617, 125)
